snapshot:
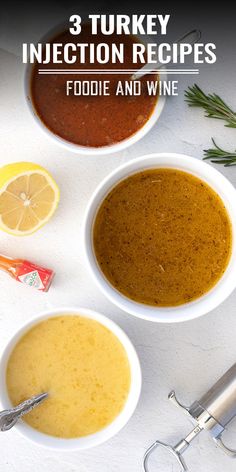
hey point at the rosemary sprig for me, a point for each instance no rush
(219, 156)
(213, 105)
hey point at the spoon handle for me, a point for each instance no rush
(8, 418)
(191, 37)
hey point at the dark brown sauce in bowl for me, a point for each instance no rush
(162, 237)
(91, 121)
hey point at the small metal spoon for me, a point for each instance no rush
(191, 37)
(8, 418)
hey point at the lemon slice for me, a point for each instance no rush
(28, 197)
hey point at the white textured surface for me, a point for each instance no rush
(188, 357)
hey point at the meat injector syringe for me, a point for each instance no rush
(213, 412)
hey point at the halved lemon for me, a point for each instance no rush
(28, 197)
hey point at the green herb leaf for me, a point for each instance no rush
(220, 156)
(213, 105)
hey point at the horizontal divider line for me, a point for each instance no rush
(117, 70)
(115, 73)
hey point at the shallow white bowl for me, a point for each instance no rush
(76, 148)
(190, 310)
(107, 432)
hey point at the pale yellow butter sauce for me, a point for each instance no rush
(82, 365)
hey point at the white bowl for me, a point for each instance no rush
(107, 432)
(225, 285)
(87, 150)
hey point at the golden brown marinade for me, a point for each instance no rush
(162, 237)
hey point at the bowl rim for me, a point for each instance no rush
(225, 285)
(77, 148)
(117, 424)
